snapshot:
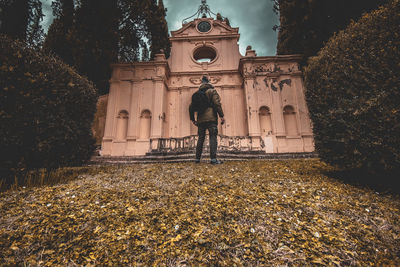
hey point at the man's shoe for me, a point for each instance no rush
(215, 161)
(196, 161)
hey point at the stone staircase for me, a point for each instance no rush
(189, 156)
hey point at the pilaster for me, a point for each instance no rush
(160, 95)
(249, 78)
(106, 146)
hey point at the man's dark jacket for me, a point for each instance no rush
(210, 114)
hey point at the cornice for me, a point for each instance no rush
(205, 37)
(278, 58)
(209, 72)
(225, 86)
(193, 24)
(140, 64)
(163, 63)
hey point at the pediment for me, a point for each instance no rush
(218, 28)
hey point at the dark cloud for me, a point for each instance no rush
(255, 19)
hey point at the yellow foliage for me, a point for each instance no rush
(254, 213)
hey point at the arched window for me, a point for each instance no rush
(265, 121)
(289, 117)
(122, 125)
(145, 124)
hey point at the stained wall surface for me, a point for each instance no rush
(262, 97)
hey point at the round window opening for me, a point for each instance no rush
(204, 54)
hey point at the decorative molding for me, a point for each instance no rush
(197, 80)
(268, 68)
(215, 79)
(294, 67)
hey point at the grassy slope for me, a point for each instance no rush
(243, 213)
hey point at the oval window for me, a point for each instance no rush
(204, 54)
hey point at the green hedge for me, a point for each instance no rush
(353, 93)
(46, 111)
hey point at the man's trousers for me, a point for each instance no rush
(212, 128)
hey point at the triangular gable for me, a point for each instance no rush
(218, 28)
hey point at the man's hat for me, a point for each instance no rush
(204, 79)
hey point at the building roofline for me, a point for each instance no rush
(295, 57)
(214, 22)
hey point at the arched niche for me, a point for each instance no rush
(122, 125)
(289, 116)
(265, 121)
(145, 124)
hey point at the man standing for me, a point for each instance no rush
(207, 103)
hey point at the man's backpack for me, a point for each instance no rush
(200, 101)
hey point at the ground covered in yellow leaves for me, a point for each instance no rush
(240, 213)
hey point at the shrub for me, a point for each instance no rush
(46, 111)
(353, 93)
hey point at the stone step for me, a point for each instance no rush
(205, 152)
(189, 157)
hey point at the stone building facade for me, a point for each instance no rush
(262, 97)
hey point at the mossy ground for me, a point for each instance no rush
(240, 213)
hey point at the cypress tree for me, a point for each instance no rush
(158, 28)
(14, 17)
(132, 29)
(96, 40)
(35, 33)
(60, 37)
(20, 19)
(100, 32)
(165, 44)
(305, 25)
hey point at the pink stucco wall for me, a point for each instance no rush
(262, 97)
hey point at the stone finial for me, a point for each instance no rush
(160, 56)
(250, 52)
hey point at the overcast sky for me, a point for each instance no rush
(255, 19)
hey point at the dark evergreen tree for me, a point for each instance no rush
(305, 25)
(14, 17)
(132, 31)
(60, 37)
(100, 32)
(20, 19)
(158, 28)
(35, 33)
(96, 40)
